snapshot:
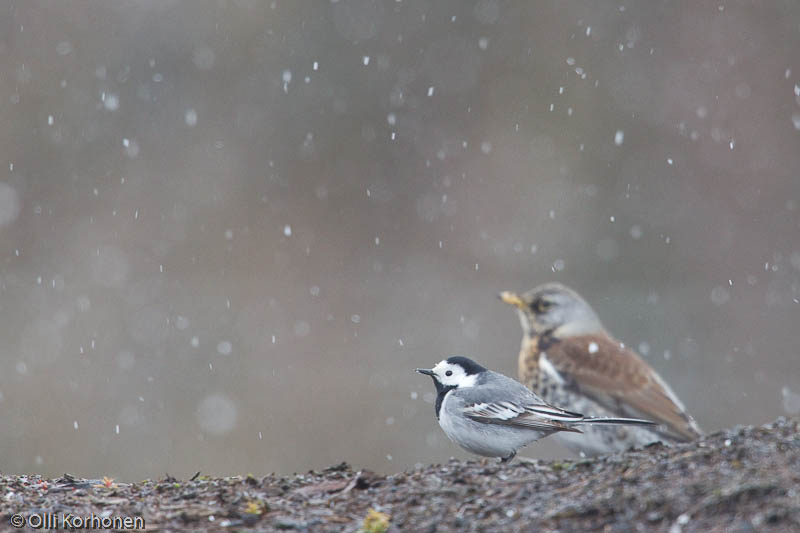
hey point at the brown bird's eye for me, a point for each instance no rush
(448, 373)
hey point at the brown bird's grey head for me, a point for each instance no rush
(553, 308)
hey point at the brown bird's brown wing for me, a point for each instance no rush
(620, 380)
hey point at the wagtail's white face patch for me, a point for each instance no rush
(453, 375)
(454, 372)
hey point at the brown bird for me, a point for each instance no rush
(569, 359)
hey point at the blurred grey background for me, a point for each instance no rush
(229, 230)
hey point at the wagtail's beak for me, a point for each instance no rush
(425, 371)
(512, 299)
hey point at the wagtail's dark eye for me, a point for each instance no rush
(448, 373)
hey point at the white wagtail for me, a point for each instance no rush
(492, 415)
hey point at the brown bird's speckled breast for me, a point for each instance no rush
(528, 363)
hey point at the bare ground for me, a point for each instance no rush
(743, 479)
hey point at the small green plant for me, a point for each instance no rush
(256, 507)
(375, 522)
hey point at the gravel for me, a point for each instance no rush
(742, 479)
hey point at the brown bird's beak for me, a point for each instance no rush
(512, 299)
(424, 371)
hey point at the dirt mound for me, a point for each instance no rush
(742, 479)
